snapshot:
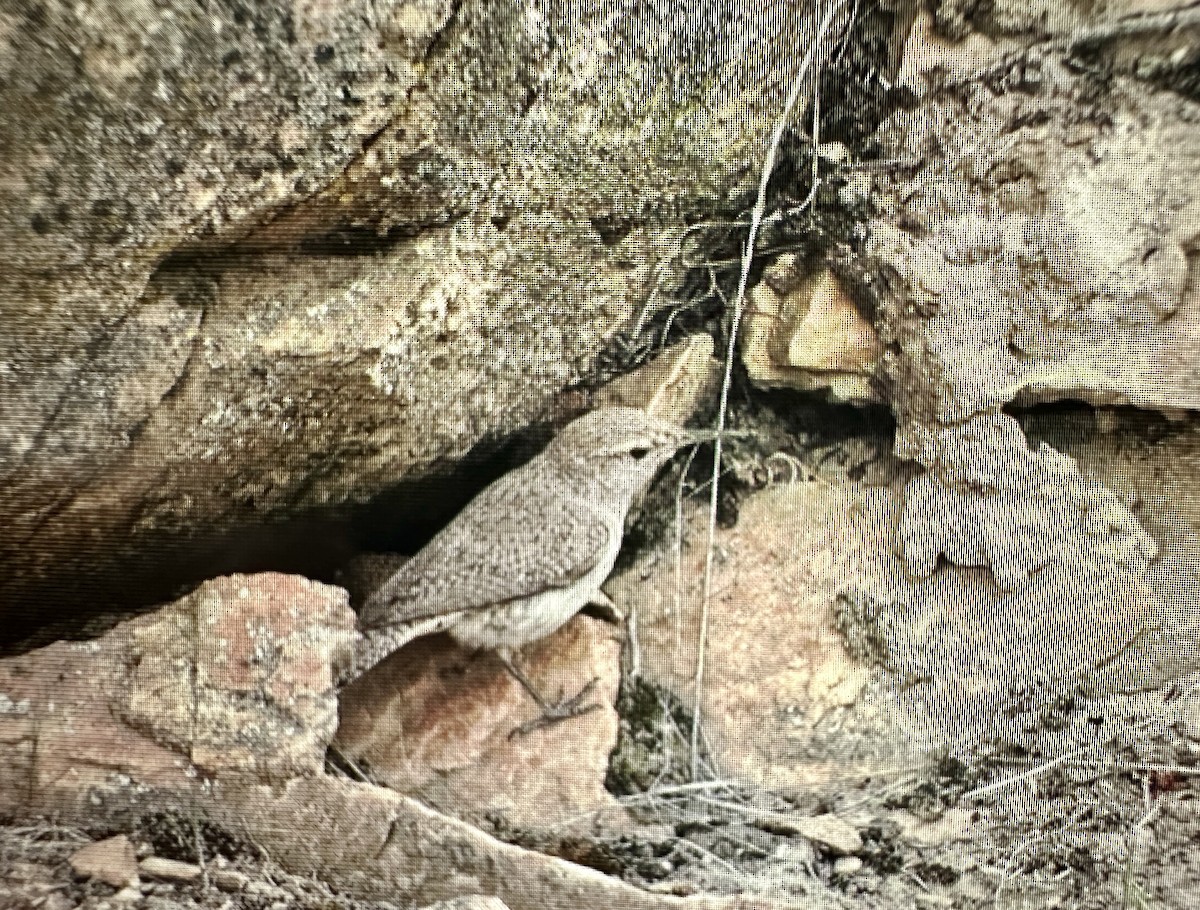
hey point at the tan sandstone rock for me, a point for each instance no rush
(435, 721)
(828, 660)
(234, 678)
(111, 861)
(804, 331)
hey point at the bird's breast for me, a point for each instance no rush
(518, 622)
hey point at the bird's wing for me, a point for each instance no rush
(505, 545)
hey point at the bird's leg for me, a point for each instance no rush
(552, 713)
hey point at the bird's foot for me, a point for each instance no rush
(560, 710)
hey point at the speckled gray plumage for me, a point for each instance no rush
(505, 544)
(530, 549)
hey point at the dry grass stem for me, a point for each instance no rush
(739, 303)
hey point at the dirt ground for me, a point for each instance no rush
(1109, 821)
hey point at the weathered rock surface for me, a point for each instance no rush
(138, 138)
(1034, 268)
(988, 500)
(1015, 259)
(234, 679)
(775, 663)
(803, 331)
(363, 842)
(265, 261)
(111, 861)
(827, 659)
(374, 843)
(170, 869)
(1153, 464)
(219, 708)
(435, 721)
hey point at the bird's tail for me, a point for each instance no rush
(376, 644)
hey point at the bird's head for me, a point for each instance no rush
(622, 448)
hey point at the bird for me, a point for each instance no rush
(529, 551)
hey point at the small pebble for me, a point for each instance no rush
(230, 879)
(799, 853)
(847, 866)
(829, 831)
(266, 891)
(128, 895)
(157, 867)
(111, 861)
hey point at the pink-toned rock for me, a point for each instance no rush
(234, 678)
(261, 699)
(827, 660)
(111, 861)
(776, 664)
(434, 721)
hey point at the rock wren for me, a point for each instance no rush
(530, 551)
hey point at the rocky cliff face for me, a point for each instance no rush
(266, 266)
(269, 260)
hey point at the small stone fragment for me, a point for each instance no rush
(111, 861)
(127, 895)
(265, 890)
(830, 832)
(173, 870)
(797, 853)
(469, 902)
(847, 866)
(953, 825)
(229, 879)
(804, 331)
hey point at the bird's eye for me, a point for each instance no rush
(640, 452)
